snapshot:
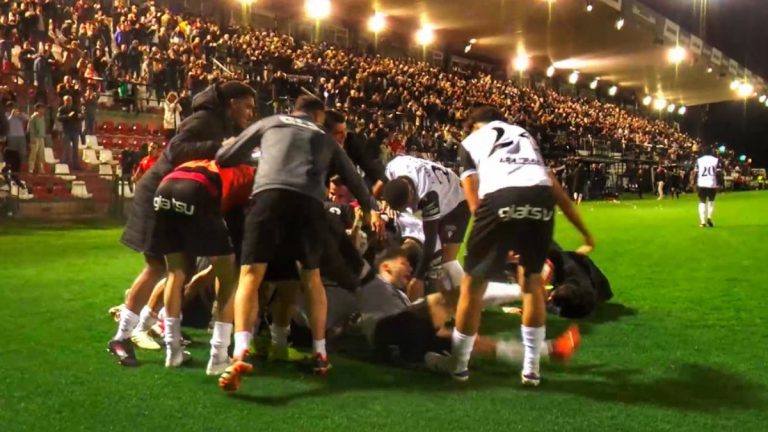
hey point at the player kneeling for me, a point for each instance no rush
(189, 205)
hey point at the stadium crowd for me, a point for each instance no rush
(142, 55)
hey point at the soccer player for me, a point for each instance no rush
(418, 330)
(220, 111)
(189, 205)
(512, 195)
(706, 172)
(297, 158)
(436, 192)
(336, 125)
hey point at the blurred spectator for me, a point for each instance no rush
(37, 132)
(70, 118)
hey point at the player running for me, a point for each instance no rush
(297, 158)
(512, 195)
(706, 172)
(436, 192)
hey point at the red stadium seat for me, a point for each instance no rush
(123, 128)
(107, 127)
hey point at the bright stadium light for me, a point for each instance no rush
(318, 9)
(671, 108)
(467, 48)
(472, 41)
(766, 104)
(521, 62)
(762, 99)
(377, 22)
(551, 71)
(660, 104)
(573, 78)
(593, 84)
(613, 90)
(735, 85)
(619, 23)
(682, 110)
(676, 55)
(745, 90)
(647, 100)
(590, 6)
(710, 70)
(425, 35)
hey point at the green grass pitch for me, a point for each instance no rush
(683, 346)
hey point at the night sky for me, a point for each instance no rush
(738, 28)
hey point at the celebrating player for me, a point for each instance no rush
(512, 195)
(436, 191)
(297, 157)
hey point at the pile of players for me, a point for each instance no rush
(273, 197)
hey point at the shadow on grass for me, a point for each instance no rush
(691, 387)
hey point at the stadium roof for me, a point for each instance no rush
(562, 32)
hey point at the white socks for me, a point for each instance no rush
(147, 319)
(279, 335)
(319, 347)
(702, 213)
(454, 272)
(533, 338)
(461, 349)
(222, 333)
(128, 322)
(172, 335)
(242, 342)
(499, 293)
(710, 209)
(511, 351)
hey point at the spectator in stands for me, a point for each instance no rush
(70, 118)
(153, 151)
(37, 132)
(27, 62)
(17, 136)
(90, 105)
(171, 115)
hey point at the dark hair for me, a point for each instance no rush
(309, 104)
(413, 250)
(39, 105)
(390, 254)
(483, 114)
(574, 301)
(332, 118)
(235, 90)
(396, 193)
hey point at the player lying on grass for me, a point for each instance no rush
(390, 319)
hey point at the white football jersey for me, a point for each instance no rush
(706, 169)
(429, 177)
(503, 155)
(411, 227)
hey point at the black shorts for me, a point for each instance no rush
(412, 332)
(707, 194)
(286, 221)
(519, 219)
(188, 219)
(454, 224)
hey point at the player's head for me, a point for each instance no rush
(413, 250)
(482, 115)
(153, 149)
(239, 102)
(394, 267)
(311, 106)
(336, 125)
(398, 193)
(571, 301)
(338, 192)
(705, 150)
